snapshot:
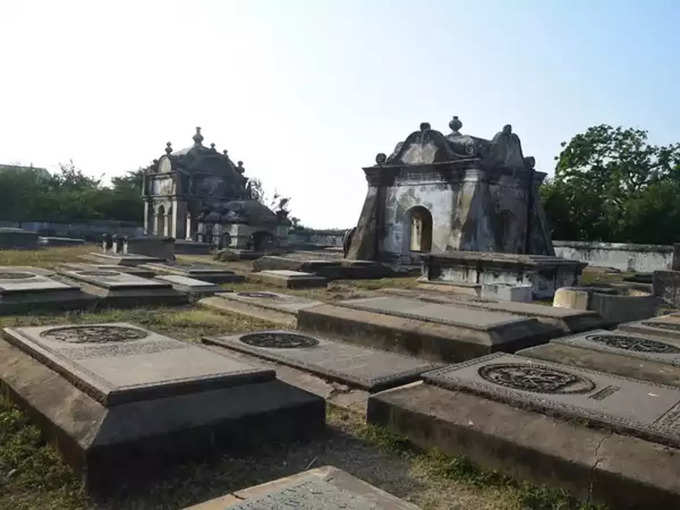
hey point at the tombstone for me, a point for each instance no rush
(18, 239)
(125, 402)
(157, 247)
(290, 279)
(599, 435)
(190, 286)
(326, 487)
(434, 331)
(107, 243)
(667, 326)
(119, 244)
(116, 288)
(133, 270)
(271, 306)
(25, 289)
(353, 365)
(208, 272)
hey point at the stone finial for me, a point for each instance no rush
(198, 137)
(212, 147)
(168, 148)
(240, 167)
(455, 124)
(424, 126)
(380, 158)
(225, 152)
(507, 129)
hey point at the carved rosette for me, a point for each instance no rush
(535, 378)
(94, 334)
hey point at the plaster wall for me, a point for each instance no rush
(641, 258)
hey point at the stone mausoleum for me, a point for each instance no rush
(199, 194)
(446, 197)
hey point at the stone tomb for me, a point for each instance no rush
(123, 289)
(25, 289)
(289, 279)
(191, 286)
(271, 306)
(617, 352)
(119, 259)
(18, 239)
(206, 272)
(434, 331)
(361, 367)
(122, 401)
(326, 488)
(133, 270)
(663, 326)
(330, 268)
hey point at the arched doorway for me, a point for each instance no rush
(160, 221)
(420, 230)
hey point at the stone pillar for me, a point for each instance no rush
(675, 265)
(173, 220)
(187, 227)
(146, 218)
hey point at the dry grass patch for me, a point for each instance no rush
(45, 257)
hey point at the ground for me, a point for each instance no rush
(33, 476)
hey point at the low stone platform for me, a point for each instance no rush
(433, 331)
(272, 306)
(82, 266)
(122, 402)
(52, 242)
(663, 326)
(567, 320)
(18, 239)
(206, 272)
(289, 279)
(26, 289)
(329, 268)
(545, 274)
(361, 367)
(596, 464)
(613, 304)
(122, 260)
(191, 286)
(326, 488)
(116, 288)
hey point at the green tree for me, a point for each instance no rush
(603, 180)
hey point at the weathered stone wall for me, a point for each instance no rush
(316, 237)
(641, 258)
(88, 230)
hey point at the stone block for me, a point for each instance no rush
(119, 259)
(18, 239)
(289, 279)
(354, 365)
(666, 285)
(434, 331)
(326, 487)
(59, 241)
(207, 272)
(613, 304)
(593, 463)
(505, 292)
(122, 402)
(157, 247)
(667, 326)
(272, 306)
(189, 285)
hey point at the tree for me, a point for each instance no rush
(604, 175)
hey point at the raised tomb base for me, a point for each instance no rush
(472, 270)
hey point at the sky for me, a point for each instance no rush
(307, 92)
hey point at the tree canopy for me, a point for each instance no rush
(28, 193)
(611, 185)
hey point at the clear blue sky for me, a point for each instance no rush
(307, 92)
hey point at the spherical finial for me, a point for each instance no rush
(240, 167)
(225, 152)
(198, 137)
(212, 147)
(424, 126)
(455, 124)
(380, 158)
(168, 148)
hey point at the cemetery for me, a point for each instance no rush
(214, 363)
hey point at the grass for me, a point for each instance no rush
(45, 257)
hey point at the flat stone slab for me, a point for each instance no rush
(592, 463)
(207, 272)
(366, 368)
(290, 279)
(118, 362)
(82, 266)
(449, 314)
(326, 488)
(15, 282)
(191, 285)
(661, 350)
(116, 280)
(664, 326)
(273, 306)
(649, 410)
(124, 260)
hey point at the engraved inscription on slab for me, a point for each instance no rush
(624, 404)
(535, 378)
(309, 494)
(95, 334)
(276, 340)
(259, 295)
(633, 343)
(662, 325)
(16, 276)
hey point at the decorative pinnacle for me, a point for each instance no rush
(455, 124)
(198, 137)
(168, 148)
(240, 168)
(212, 146)
(225, 152)
(424, 126)
(380, 158)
